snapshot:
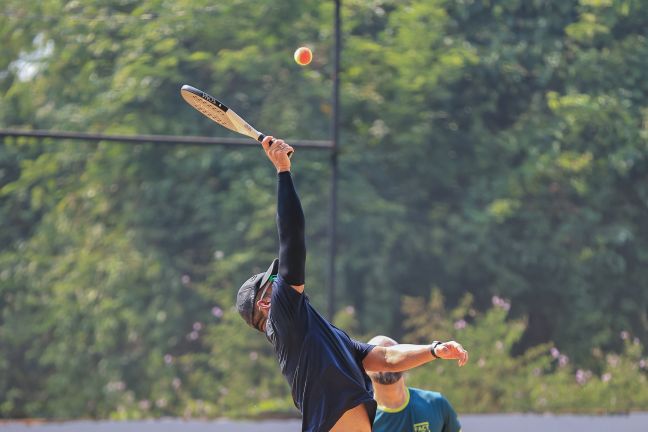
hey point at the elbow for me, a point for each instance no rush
(393, 361)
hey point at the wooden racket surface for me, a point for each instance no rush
(208, 106)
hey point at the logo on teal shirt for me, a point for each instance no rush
(422, 427)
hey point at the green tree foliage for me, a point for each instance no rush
(514, 139)
(490, 148)
(542, 379)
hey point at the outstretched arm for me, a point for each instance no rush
(290, 217)
(402, 357)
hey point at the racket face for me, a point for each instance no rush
(207, 105)
(216, 111)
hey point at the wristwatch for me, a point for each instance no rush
(434, 345)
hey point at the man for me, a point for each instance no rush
(408, 409)
(323, 365)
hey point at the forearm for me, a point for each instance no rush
(291, 229)
(403, 357)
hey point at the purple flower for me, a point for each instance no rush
(624, 335)
(217, 312)
(554, 352)
(501, 303)
(563, 360)
(606, 377)
(460, 324)
(197, 326)
(193, 335)
(185, 279)
(168, 358)
(582, 376)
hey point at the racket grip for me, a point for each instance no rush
(261, 137)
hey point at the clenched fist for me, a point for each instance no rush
(278, 152)
(452, 351)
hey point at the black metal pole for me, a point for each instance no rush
(335, 132)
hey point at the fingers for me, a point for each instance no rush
(266, 142)
(463, 359)
(278, 151)
(453, 351)
(275, 146)
(280, 147)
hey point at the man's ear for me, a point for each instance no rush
(263, 304)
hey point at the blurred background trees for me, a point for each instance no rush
(494, 165)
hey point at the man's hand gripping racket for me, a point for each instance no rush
(218, 112)
(278, 152)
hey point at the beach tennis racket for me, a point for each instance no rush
(220, 113)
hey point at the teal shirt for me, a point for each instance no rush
(423, 411)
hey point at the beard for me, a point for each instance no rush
(387, 378)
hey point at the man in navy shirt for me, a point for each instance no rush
(325, 368)
(408, 409)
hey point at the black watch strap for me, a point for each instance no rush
(434, 345)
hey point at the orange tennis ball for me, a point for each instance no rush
(303, 56)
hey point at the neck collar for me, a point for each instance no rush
(400, 408)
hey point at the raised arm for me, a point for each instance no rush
(290, 217)
(402, 357)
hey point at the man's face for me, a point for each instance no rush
(386, 378)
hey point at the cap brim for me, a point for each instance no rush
(272, 270)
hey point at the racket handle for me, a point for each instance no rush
(261, 137)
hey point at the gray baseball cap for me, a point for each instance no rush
(248, 292)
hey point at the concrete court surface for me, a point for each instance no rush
(635, 422)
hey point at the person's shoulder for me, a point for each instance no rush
(287, 305)
(282, 287)
(427, 395)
